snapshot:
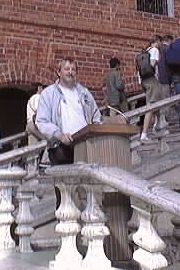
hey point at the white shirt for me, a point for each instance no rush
(154, 55)
(72, 112)
(32, 106)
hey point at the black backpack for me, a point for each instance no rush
(143, 65)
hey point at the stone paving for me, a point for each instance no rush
(37, 261)
(28, 261)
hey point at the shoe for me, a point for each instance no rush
(144, 138)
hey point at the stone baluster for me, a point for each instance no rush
(163, 146)
(150, 245)
(32, 164)
(15, 144)
(94, 231)
(135, 143)
(67, 214)
(176, 233)
(32, 173)
(24, 217)
(9, 178)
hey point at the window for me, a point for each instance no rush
(161, 7)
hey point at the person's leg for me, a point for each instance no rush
(123, 106)
(146, 124)
(161, 116)
(152, 89)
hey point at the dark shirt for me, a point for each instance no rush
(175, 57)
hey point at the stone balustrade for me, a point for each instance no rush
(15, 178)
(147, 199)
(9, 179)
(13, 140)
(133, 100)
(134, 116)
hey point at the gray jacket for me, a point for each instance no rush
(115, 87)
(48, 118)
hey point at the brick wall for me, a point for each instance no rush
(35, 34)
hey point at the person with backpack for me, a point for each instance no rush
(146, 63)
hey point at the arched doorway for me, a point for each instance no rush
(13, 101)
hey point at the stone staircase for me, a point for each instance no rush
(159, 168)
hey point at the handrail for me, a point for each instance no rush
(124, 181)
(13, 138)
(22, 152)
(153, 107)
(136, 97)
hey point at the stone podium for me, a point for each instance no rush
(109, 144)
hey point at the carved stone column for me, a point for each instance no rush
(68, 257)
(163, 146)
(24, 217)
(9, 178)
(176, 233)
(150, 245)
(95, 231)
(135, 143)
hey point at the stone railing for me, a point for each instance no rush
(133, 117)
(147, 199)
(17, 167)
(133, 100)
(13, 141)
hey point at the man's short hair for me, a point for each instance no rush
(155, 39)
(64, 60)
(168, 38)
(37, 84)
(114, 62)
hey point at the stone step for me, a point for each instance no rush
(45, 237)
(160, 168)
(43, 210)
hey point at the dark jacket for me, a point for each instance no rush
(164, 73)
(173, 57)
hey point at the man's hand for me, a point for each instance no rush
(66, 139)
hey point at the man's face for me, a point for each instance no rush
(68, 73)
(158, 44)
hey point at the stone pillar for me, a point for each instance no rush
(24, 217)
(9, 178)
(176, 233)
(68, 257)
(94, 230)
(150, 245)
(135, 143)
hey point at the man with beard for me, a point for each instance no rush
(64, 108)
